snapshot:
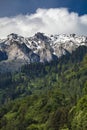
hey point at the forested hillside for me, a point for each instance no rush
(46, 96)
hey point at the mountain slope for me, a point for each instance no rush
(46, 96)
(16, 50)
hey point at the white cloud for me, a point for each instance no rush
(49, 21)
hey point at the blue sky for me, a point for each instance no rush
(15, 7)
(27, 17)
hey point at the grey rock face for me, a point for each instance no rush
(16, 50)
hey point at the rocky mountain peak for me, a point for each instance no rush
(12, 36)
(39, 48)
(41, 36)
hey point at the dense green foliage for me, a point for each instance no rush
(51, 96)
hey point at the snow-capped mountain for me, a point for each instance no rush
(16, 50)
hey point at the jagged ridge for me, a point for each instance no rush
(16, 50)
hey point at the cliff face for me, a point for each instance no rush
(16, 50)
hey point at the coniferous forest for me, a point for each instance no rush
(49, 96)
